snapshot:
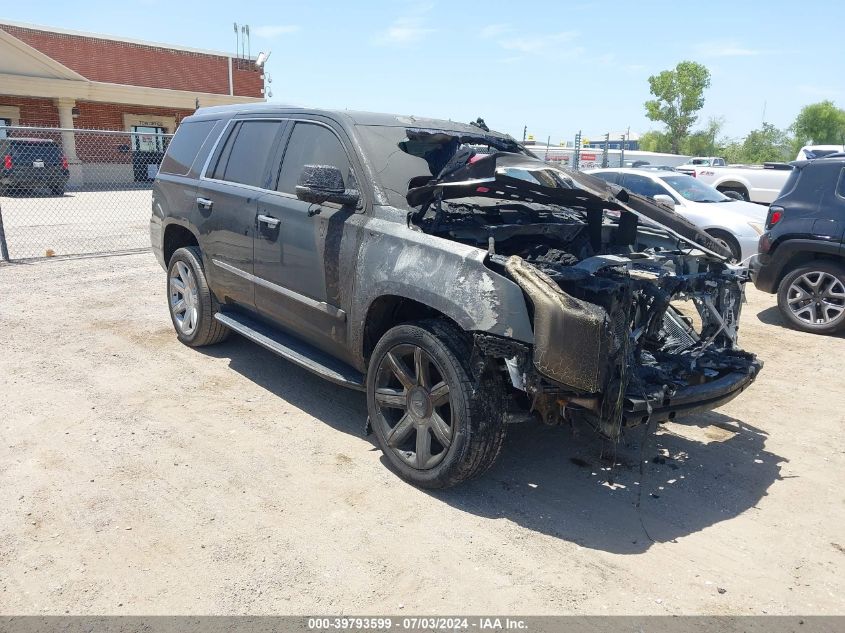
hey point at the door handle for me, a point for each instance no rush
(205, 203)
(270, 221)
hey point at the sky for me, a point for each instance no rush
(555, 67)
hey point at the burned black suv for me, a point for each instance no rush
(460, 281)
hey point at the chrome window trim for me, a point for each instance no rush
(225, 134)
(321, 306)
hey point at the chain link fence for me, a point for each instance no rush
(73, 192)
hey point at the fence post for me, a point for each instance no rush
(4, 248)
(576, 156)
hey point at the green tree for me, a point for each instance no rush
(703, 142)
(820, 124)
(767, 144)
(679, 96)
(653, 141)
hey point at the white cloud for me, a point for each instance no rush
(724, 49)
(556, 44)
(409, 28)
(494, 30)
(270, 31)
(403, 31)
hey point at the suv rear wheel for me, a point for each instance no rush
(812, 298)
(192, 304)
(436, 423)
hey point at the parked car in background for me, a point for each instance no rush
(735, 223)
(754, 183)
(32, 163)
(802, 251)
(811, 152)
(701, 161)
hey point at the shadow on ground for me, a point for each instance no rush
(560, 483)
(772, 316)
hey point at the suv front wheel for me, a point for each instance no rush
(812, 297)
(436, 423)
(191, 302)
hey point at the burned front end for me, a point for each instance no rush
(635, 311)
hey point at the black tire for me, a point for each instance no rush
(831, 275)
(740, 190)
(475, 405)
(57, 191)
(206, 329)
(729, 241)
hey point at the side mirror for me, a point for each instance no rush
(665, 199)
(733, 195)
(324, 183)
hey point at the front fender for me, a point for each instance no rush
(447, 276)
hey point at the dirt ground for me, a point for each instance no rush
(138, 476)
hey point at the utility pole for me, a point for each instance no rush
(237, 43)
(524, 133)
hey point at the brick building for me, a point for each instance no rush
(57, 78)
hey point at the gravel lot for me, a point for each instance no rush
(77, 222)
(138, 476)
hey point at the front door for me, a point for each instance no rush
(227, 204)
(298, 245)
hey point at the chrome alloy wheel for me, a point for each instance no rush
(184, 298)
(816, 298)
(415, 407)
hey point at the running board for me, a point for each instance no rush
(296, 351)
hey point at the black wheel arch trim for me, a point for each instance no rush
(790, 253)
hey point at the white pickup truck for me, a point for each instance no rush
(757, 183)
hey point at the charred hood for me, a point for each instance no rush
(506, 175)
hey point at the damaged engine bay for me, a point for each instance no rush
(635, 311)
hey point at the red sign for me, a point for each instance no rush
(588, 157)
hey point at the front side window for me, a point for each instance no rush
(694, 190)
(311, 144)
(244, 156)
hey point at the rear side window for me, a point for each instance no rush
(607, 176)
(791, 181)
(643, 186)
(311, 144)
(246, 152)
(30, 151)
(840, 186)
(184, 147)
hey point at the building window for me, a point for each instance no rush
(147, 138)
(3, 124)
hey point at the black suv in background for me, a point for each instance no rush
(801, 255)
(32, 163)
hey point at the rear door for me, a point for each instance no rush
(237, 174)
(831, 221)
(298, 245)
